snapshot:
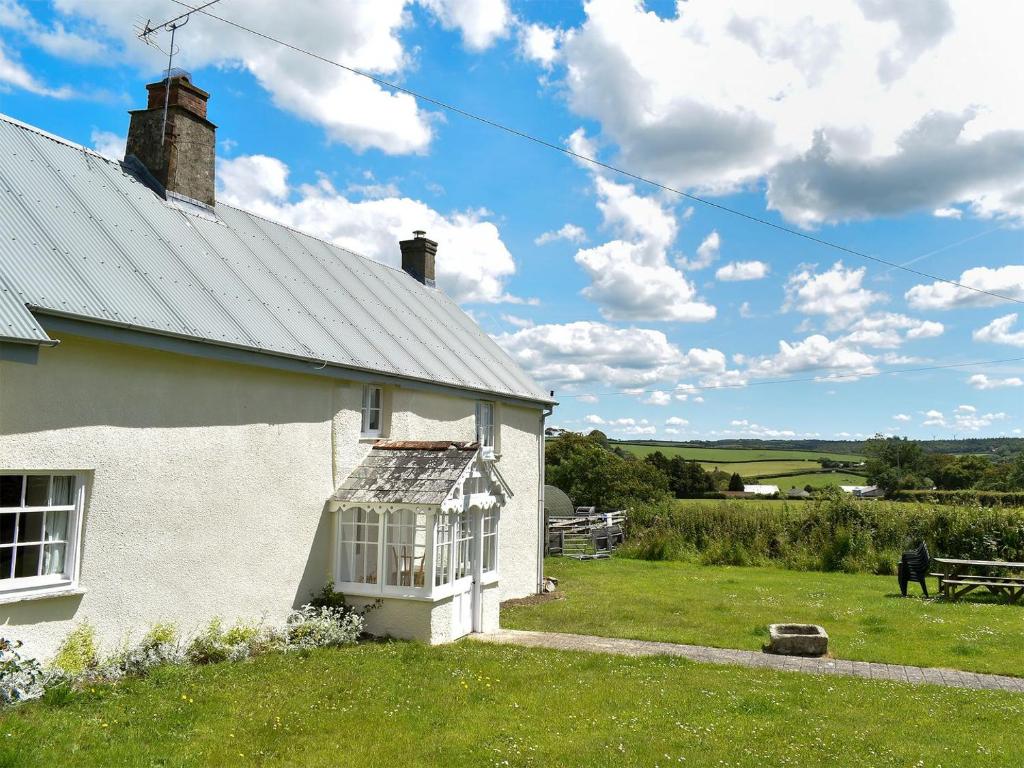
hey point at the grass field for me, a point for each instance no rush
(735, 454)
(729, 607)
(405, 704)
(819, 480)
(756, 468)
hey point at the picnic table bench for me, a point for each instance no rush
(958, 577)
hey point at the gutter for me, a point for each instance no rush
(541, 530)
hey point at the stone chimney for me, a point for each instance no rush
(184, 161)
(418, 257)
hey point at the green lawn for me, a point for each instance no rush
(735, 454)
(762, 468)
(406, 704)
(727, 607)
(817, 480)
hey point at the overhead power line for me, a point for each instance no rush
(831, 377)
(594, 161)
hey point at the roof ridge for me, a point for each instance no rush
(55, 138)
(82, 148)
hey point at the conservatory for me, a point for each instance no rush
(417, 527)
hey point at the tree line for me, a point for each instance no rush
(900, 464)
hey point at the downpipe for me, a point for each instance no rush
(541, 532)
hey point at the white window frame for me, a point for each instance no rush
(490, 575)
(368, 409)
(435, 520)
(24, 587)
(486, 426)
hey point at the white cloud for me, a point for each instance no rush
(999, 331)
(568, 232)
(1005, 281)
(676, 421)
(745, 311)
(778, 93)
(622, 426)
(13, 73)
(351, 109)
(56, 40)
(472, 261)
(982, 381)
(742, 270)
(630, 276)
(752, 429)
(108, 144)
(883, 330)
(837, 293)
(815, 352)
(901, 417)
(583, 352)
(481, 22)
(965, 418)
(947, 213)
(658, 397)
(540, 43)
(588, 399)
(707, 253)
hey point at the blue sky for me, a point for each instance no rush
(885, 128)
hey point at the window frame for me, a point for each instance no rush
(482, 428)
(366, 409)
(23, 587)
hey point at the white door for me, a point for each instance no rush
(465, 566)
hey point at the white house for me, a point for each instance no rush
(204, 413)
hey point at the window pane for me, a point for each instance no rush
(56, 526)
(10, 490)
(7, 527)
(63, 490)
(375, 396)
(6, 556)
(406, 551)
(30, 526)
(26, 561)
(359, 531)
(53, 558)
(37, 490)
(373, 421)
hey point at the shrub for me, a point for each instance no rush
(833, 532)
(20, 679)
(215, 644)
(323, 627)
(79, 653)
(159, 646)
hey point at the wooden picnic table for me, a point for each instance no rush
(1000, 577)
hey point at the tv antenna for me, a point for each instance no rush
(171, 25)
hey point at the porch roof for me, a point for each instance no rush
(407, 472)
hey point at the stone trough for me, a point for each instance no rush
(797, 640)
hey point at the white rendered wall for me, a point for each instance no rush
(208, 482)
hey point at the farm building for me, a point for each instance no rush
(204, 413)
(761, 490)
(863, 491)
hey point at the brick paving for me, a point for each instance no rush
(867, 669)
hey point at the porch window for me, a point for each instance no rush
(489, 532)
(373, 411)
(485, 424)
(405, 548)
(40, 515)
(414, 552)
(360, 545)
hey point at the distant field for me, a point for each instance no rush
(743, 455)
(819, 480)
(762, 468)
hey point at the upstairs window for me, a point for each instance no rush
(373, 410)
(39, 520)
(485, 424)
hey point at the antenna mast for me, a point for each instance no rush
(172, 26)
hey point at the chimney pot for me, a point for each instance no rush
(184, 161)
(418, 257)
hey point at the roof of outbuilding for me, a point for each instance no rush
(407, 472)
(83, 238)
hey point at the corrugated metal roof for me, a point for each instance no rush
(405, 475)
(85, 239)
(16, 322)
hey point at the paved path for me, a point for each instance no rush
(871, 670)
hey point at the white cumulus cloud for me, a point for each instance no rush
(1003, 281)
(1000, 331)
(983, 381)
(742, 270)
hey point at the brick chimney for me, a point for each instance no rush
(418, 257)
(184, 161)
